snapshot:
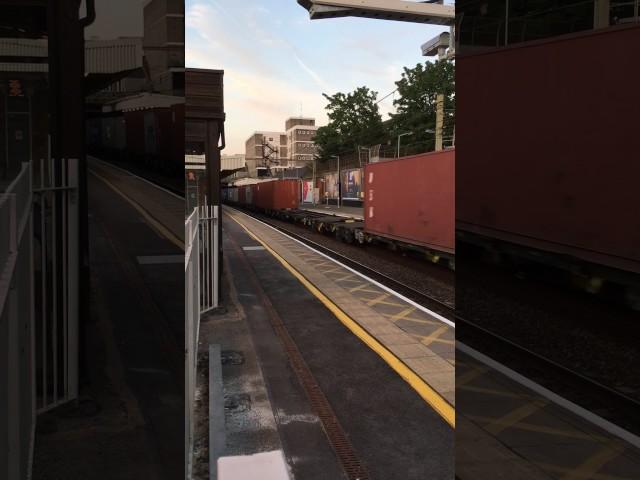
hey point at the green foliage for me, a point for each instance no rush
(416, 106)
(354, 120)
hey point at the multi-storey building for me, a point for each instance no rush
(265, 144)
(301, 133)
(164, 45)
(287, 150)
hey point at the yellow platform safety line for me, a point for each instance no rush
(155, 224)
(428, 394)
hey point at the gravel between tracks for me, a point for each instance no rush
(571, 328)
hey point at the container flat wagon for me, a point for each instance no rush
(409, 204)
(412, 200)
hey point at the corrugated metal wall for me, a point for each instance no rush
(110, 56)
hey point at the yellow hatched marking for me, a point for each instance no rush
(362, 288)
(434, 340)
(530, 427)
(332, 270)
(402, 314)
(422, 321)
(469, 376)
(380, 300)
(348, 278)
(594, 476)
(589, 468)
(324, 263)
(435, 335)
(428, 394)
(491, 391)
(512, 418)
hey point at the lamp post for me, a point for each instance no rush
(399, 137)
(313, 186)
(430, 130)
(339, 183)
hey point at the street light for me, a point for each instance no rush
(339, 192)
(399, 137)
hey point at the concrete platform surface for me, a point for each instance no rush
(129, 421)
(265, 466)
(422, 342)
(394, 432)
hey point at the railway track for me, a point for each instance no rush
(612, 405)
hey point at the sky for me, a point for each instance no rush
(278, 62)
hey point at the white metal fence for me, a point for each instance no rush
(208, 224)
(55, 221)
(17, 398)
(38, 304)
(200, 295)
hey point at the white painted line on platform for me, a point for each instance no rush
(361, 275)
(577, 410)
(263, 466)
(160, 259)
(253, 247)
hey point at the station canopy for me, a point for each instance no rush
(435, 13)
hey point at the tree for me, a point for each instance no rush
(354, 120)
(416, 106)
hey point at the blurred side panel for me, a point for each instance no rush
(548, 263)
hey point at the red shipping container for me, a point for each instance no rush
(565, 151)
(412, 199)
(277, 194)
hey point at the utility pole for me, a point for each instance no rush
(439, 120)
(399, 137)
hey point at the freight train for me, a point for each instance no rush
(148, 135)
(565, 204)
(408, 204)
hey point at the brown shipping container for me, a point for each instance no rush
(412, 199)
(566, 152)
(277, 194)
(286, 194)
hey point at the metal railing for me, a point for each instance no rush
(209, 247)
(191, 326)
(55, 222)
(201, 295)
(17, 366)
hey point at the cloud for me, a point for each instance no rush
(255, 103)
(275, 59)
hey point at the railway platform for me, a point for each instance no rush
(337, 354)
(129, 420)
(513, 428)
